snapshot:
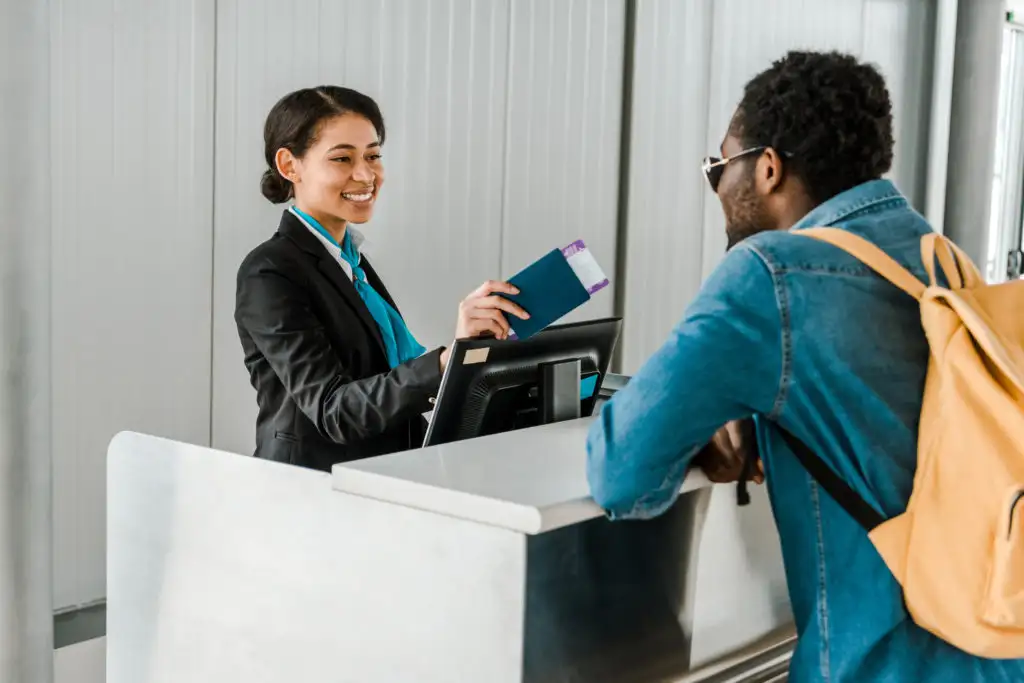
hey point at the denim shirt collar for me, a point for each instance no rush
(847, 204)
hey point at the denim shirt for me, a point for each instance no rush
(795, 332)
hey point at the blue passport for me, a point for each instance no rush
(548, 290)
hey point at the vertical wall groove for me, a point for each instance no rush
(132, 113)
(625, 136)
(26, 512)
(213, 203)
(506, 146)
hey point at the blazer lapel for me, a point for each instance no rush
(378, 284)
(295, 230)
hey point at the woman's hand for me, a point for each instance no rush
(482, 314)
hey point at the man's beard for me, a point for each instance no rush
(744, 215)
(738, 233)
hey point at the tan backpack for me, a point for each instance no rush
(958, 550)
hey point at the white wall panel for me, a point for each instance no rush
(563, 135)
(437, 232)
(667, 190)
(438, 71)
(496, 153)
(766, 31)
(675, 106)
(132, 103)
(899, 39)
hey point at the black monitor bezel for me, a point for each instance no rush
(460, 349)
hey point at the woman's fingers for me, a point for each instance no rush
(491, 314)
(505, 305)
(499, 302)
(479, 327)
(495, 306)
(493, 287)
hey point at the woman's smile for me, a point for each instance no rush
(361, 196)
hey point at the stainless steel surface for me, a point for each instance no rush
(764, 661)
(613, 382)
(79, 624)
(612, 602)
(740, 548)
(26, 598)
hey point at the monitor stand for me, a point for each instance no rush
(560, 391)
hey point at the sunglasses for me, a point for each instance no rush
(714, 167)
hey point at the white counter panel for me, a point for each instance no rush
(227, 568)
(493, 480)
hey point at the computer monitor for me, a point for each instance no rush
(493, 386)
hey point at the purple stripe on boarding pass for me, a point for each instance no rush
(574, 248)
(593, 289)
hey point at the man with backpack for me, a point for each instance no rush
(826, 337)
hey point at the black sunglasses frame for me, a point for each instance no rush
(714, 167)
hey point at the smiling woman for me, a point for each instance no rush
(325, 144)
(337, 372)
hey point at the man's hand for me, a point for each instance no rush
(722, 459)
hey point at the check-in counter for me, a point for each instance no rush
(477, 561)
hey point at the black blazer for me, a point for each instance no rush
(316, 358)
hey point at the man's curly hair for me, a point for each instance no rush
(829, 112)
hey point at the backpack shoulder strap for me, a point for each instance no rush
(871, 256)
(960, 271)
(855, 506)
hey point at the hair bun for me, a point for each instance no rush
(274, 187)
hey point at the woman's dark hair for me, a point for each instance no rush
(831, 113)
(294, 124)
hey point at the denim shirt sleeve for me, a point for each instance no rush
(724, 361)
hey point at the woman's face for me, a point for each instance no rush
(341, 174)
